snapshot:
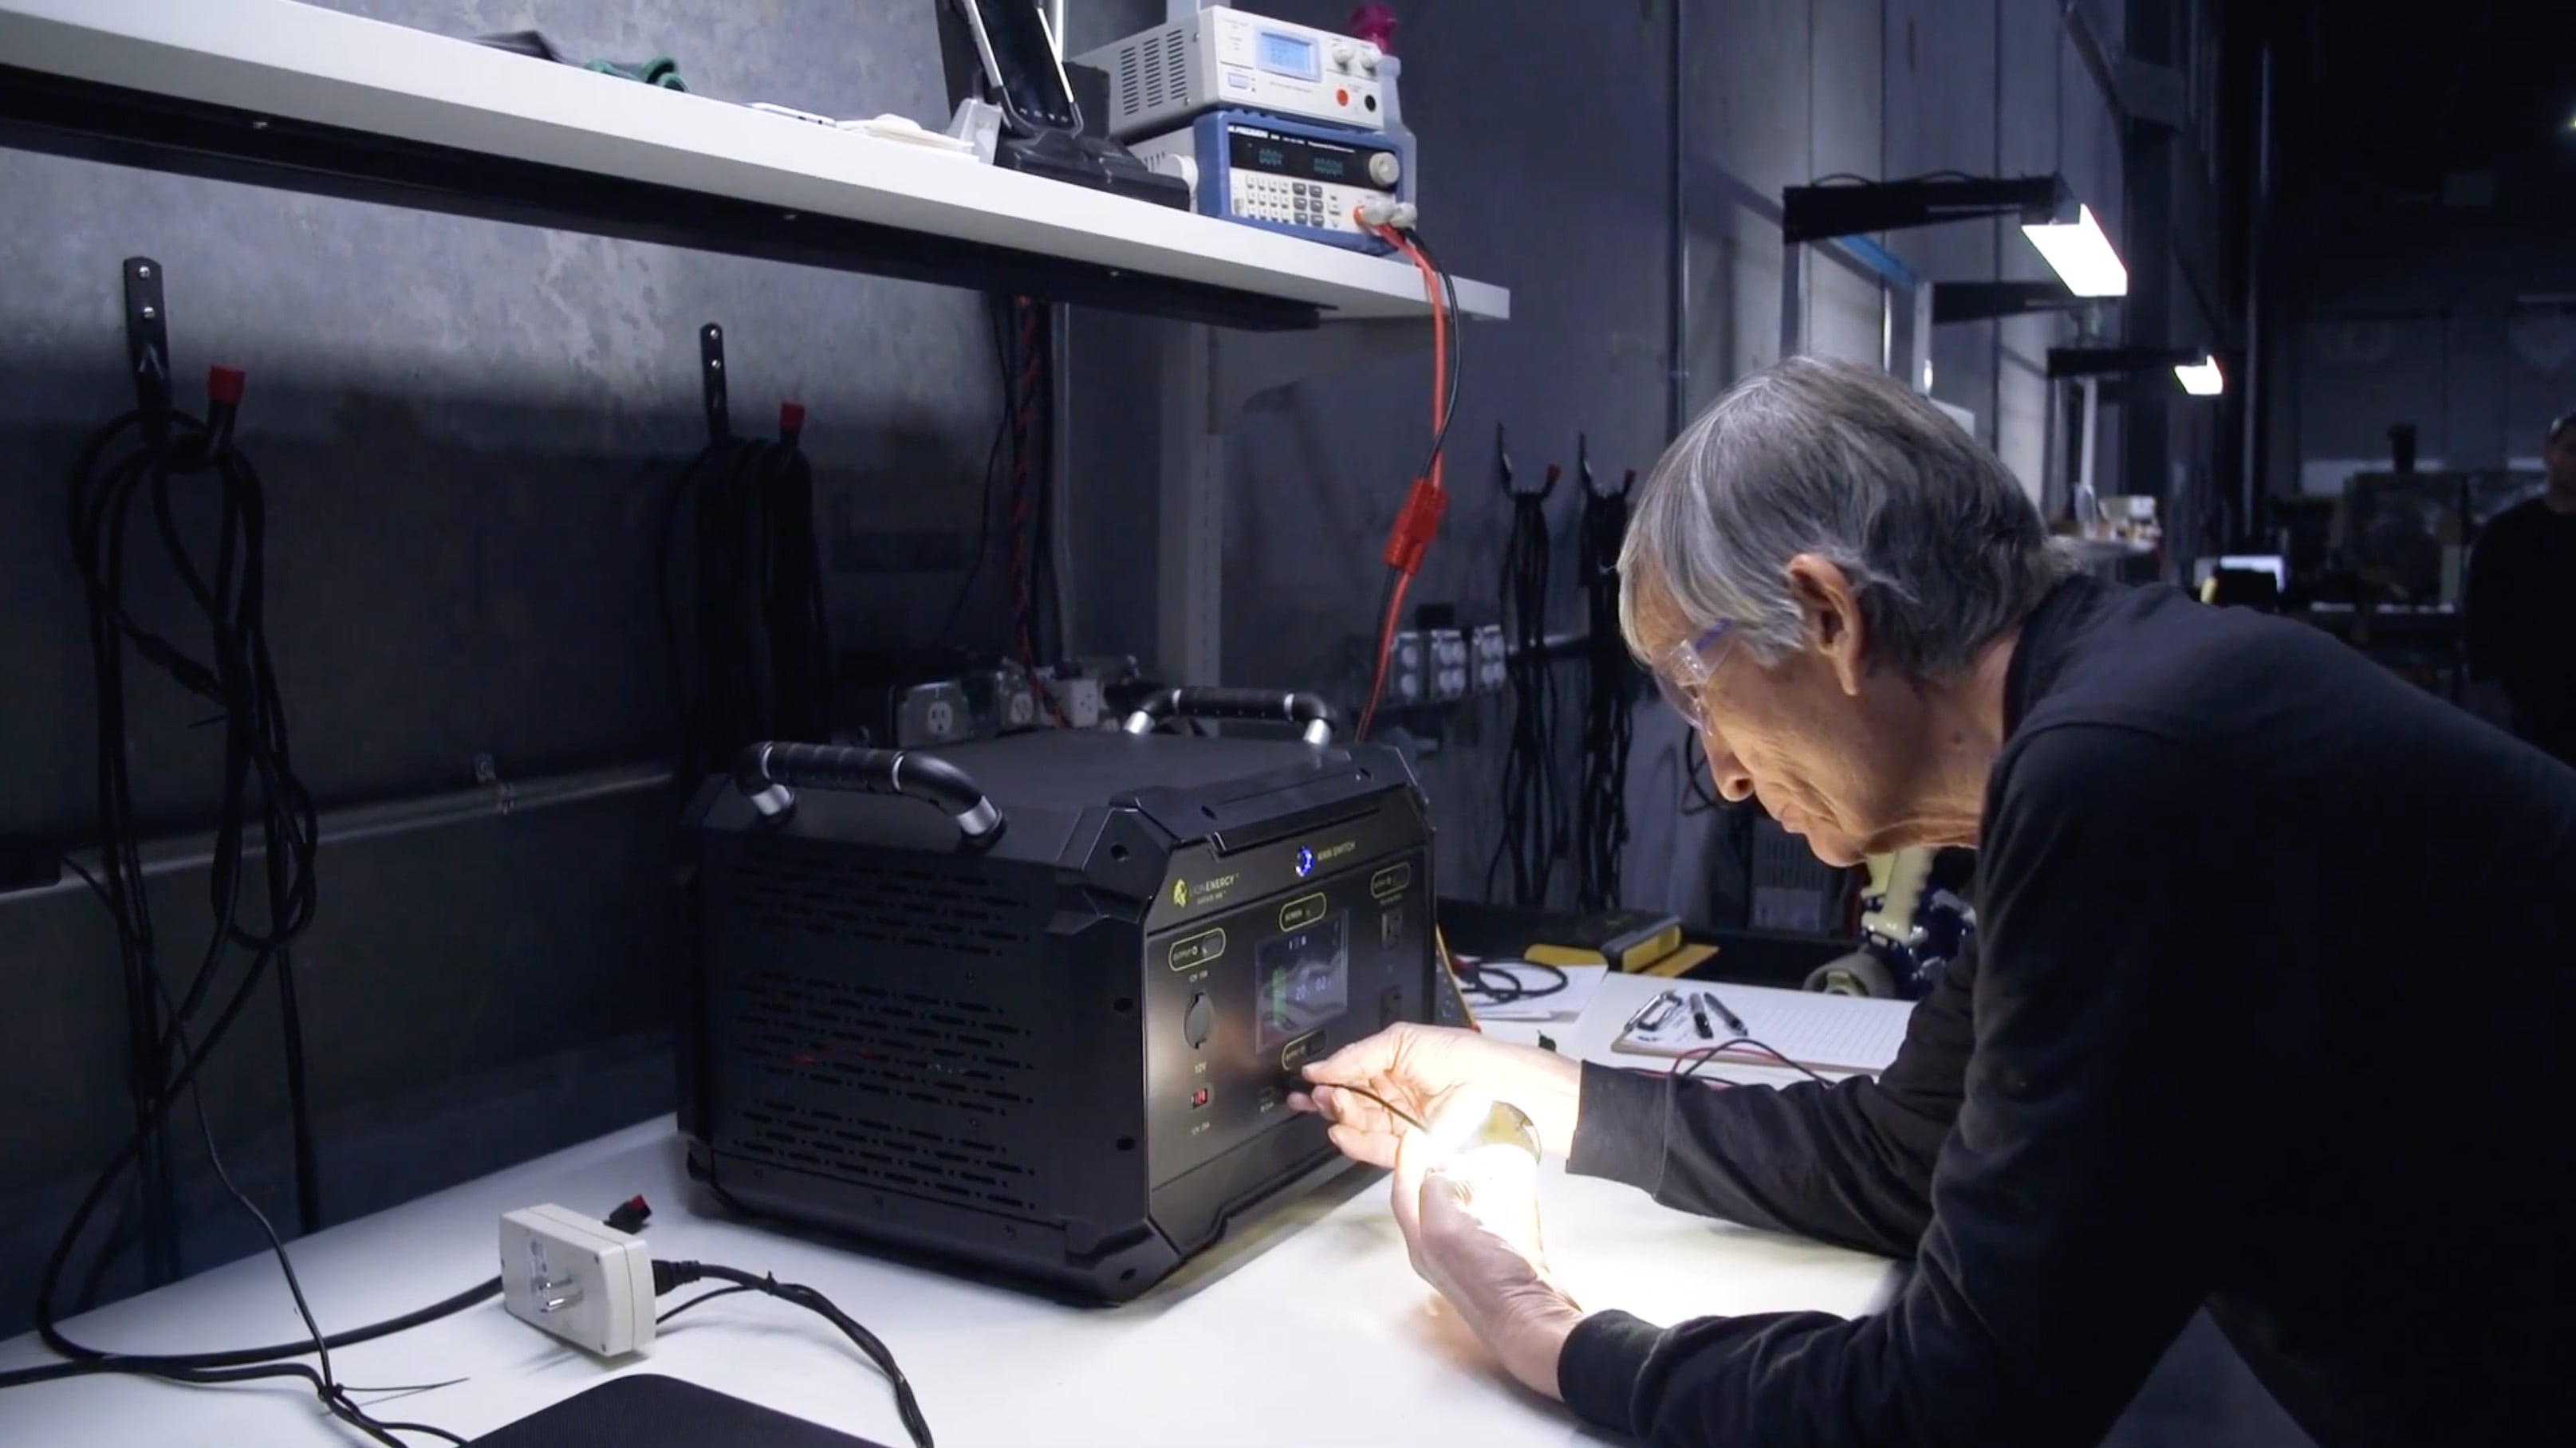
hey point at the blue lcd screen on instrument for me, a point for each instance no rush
(1294, 55)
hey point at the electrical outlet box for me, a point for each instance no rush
(1492, 659)
(582, 1280)
(1449, 668)
(1407, 677)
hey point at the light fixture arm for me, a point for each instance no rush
(1824, 212)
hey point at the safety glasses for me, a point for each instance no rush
(1683, 673)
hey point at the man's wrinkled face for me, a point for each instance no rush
(1818, 754)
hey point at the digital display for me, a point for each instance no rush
(1300, 158)
(1302, 981)
(1283, 54)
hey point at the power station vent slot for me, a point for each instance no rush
(935, 1051)
(881, 903)
(903, 1088)
(857, 1148)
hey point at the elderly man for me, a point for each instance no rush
(2276, 964)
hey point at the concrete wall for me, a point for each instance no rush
(467, 433)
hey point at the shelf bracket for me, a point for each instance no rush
(147, 343)
(711, 376)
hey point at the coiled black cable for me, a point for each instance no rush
(167, 458)
(1610, 681)
(761, 642)
(1534, 808)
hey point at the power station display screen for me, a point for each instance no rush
(1298, 158)
(1282, 54)
(1302, 980)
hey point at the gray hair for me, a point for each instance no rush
(1942, 547)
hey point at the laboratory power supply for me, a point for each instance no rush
(1288, 176)
(1034, 1005)
(1222, 58)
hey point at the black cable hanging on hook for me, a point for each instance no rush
(1534, 828)
(183, 468)
(758, 662)
(1610, 681)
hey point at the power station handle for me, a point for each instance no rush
(1305, 710)
(770, 774)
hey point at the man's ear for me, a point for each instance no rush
(1831, 617)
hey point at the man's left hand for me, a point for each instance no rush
(1486, 1259)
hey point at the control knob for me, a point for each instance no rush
(1385, 169)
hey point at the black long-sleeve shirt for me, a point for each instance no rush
(2522, 620)
(2274, 981)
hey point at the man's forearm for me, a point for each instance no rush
(1555, 1107)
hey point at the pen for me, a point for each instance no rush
(1732, 1022)
(1699, 1019)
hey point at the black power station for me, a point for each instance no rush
(1035, 1003)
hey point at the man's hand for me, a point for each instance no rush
(1478, 1243)
(1413, 1066)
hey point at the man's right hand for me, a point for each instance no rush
(1414, 1067)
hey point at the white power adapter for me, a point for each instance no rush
(581, 1280)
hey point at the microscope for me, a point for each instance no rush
(1914, 922)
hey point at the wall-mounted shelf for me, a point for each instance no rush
(288, 95)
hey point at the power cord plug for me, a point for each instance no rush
(587, 1283)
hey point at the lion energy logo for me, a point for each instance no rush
(1205, 892)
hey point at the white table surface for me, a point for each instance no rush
(306, 63)
(1308, 1329)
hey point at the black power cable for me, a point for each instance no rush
(671, 1276)
(1503, 984)
(1610, 680)
(326, 1386)
(996, 307)
(1032, 424)
(1534, 807)
(150, 454)
(762, 645)
(1457, 324)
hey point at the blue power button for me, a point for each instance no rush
(1305, 862)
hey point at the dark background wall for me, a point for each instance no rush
(468, 432)
(2453, 319)
(2420, 271)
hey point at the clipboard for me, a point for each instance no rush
(1851, 1035)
